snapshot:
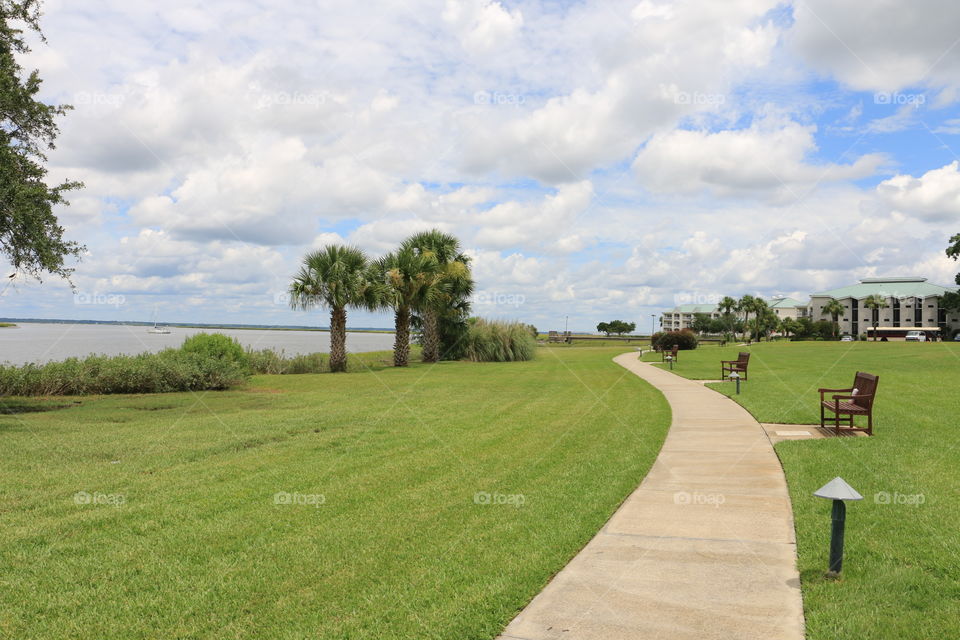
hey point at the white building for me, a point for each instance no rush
(912, 303)
(682, 316)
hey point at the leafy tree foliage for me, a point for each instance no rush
(951, 300)
(31, 238)
(618, 327)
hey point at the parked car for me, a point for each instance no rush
(846, 338)
(916, 336)
(956, 338)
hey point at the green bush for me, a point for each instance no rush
(666, 339)
(498, 341)
(167, 371)
(269, 361)
(215, 346)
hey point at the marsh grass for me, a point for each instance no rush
(499, 341)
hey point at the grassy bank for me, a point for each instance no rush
(430, 502)
(901, 571)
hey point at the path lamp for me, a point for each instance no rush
(736, 377)
(838, 491)
(670, 360)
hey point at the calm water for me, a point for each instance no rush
(37, 342)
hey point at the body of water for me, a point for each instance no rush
(39, 342)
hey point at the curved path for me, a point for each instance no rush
(704, 548)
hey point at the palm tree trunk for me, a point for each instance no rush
(431, 336)
(338, 340)
(401, 341)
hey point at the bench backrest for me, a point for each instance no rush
(675, 350)
(743, 358)
(866, 386)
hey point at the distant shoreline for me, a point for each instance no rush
(187, 325)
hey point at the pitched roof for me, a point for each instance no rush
(785, 303)
(890, 287)
(694, 308)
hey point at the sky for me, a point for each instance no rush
(598, 160)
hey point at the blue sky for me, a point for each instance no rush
(598, 159)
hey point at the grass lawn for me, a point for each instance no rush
(902, 564)
(431, 502)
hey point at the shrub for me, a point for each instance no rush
(498, 341)
(215, 346)
(169, 370)
(665, 340)
(270, 362)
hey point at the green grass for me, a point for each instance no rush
(398, 549)
(901, 575)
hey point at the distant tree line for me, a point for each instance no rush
(618, 327)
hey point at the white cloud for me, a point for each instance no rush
(220, 141)
(767, 159)
(934, 196)
(880, 46)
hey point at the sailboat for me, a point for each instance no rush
(155, 328)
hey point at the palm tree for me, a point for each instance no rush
(450, 286)
(408, 276)
(726, 306)
(336, 277)
(787, 326)
(765, 317)
(875, 302)
(746, 305)
(834, 308)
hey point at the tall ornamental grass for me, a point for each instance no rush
(167, 371)
(499, 341)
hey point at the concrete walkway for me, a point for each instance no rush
(704, 548)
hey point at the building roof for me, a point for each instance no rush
(891, 287)
(695, 308)
(786, 303)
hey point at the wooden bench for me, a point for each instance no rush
(849, 403)
(674, 351)
(738, 366)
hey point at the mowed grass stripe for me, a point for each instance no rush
(398, 549)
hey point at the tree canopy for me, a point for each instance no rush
(618, 327)
(31, 238)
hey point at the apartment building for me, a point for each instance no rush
(912, 303)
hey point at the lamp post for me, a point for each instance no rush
(838, 491)
(670, 360)
(736, 377)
